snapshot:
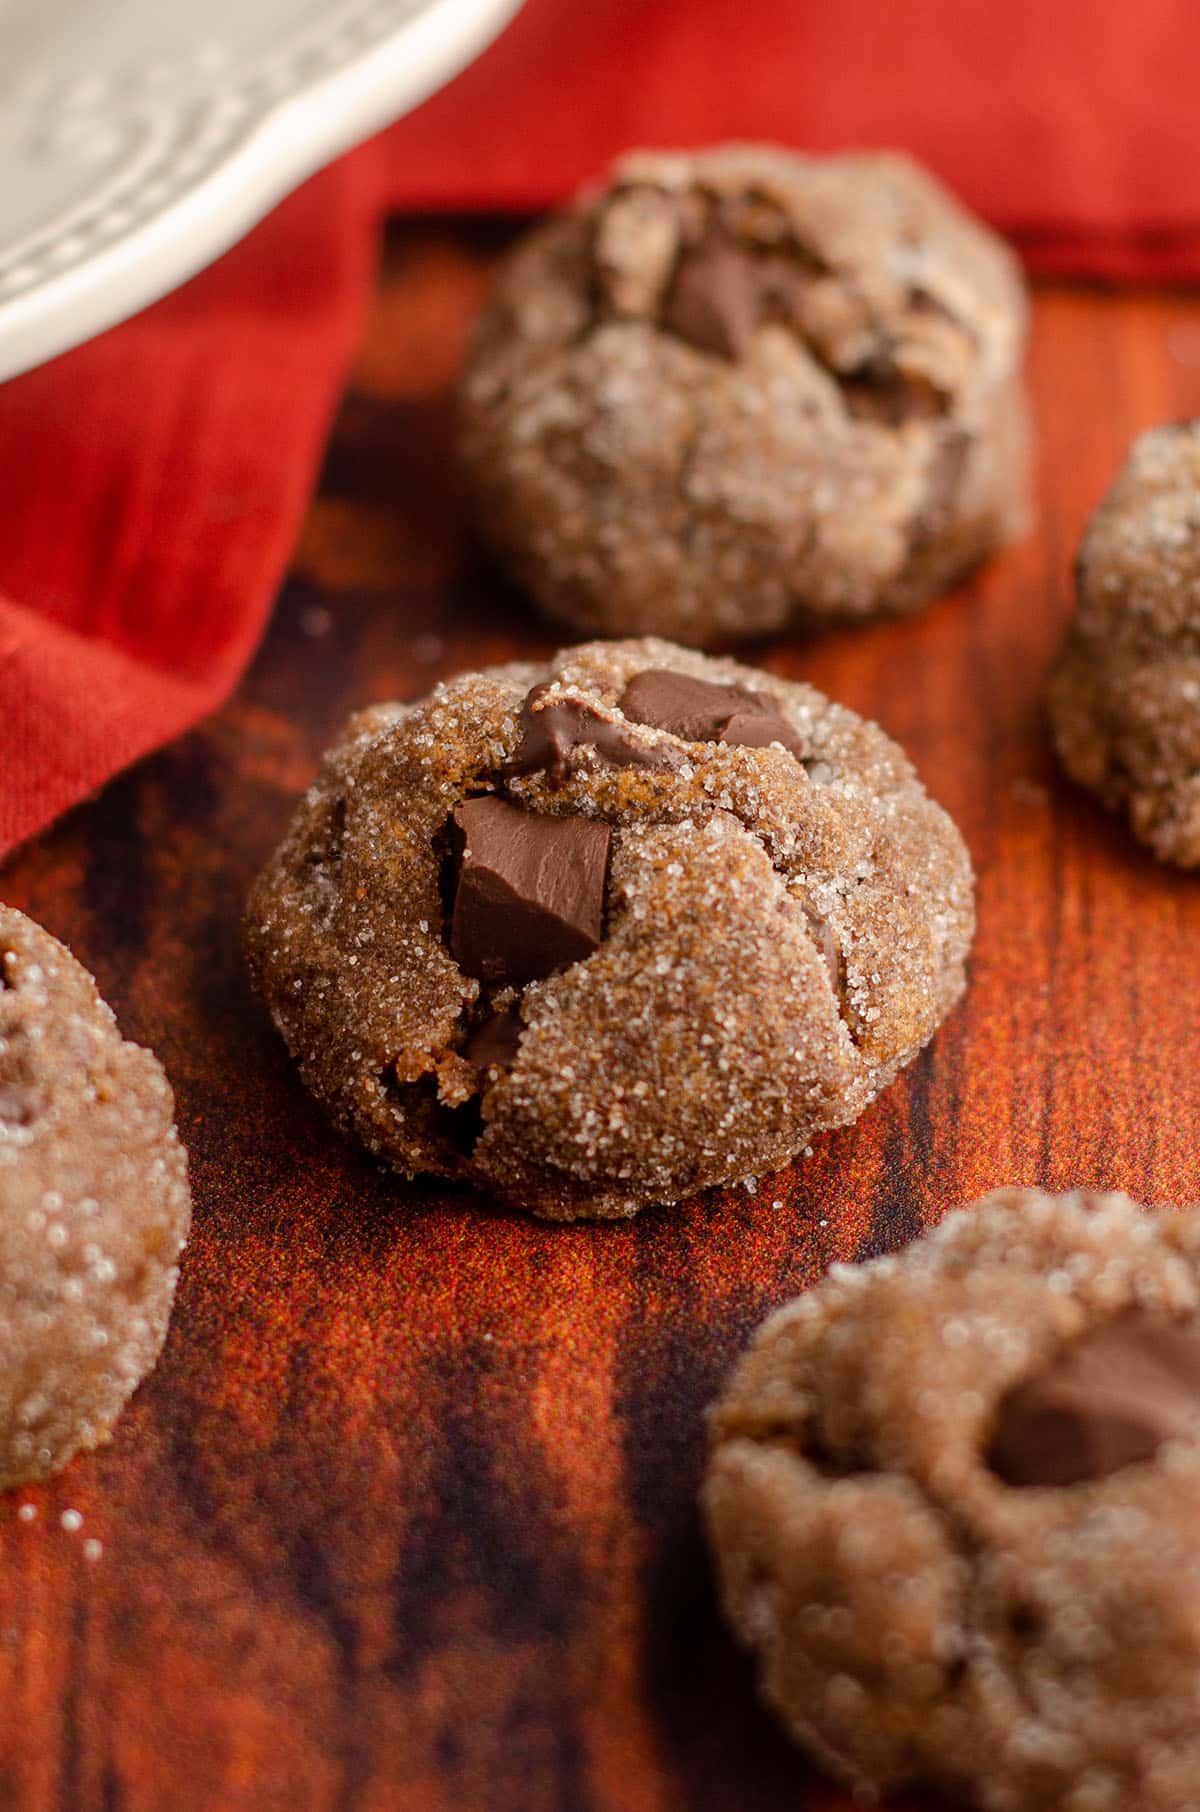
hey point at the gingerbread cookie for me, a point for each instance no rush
(744, 388)
(94, 1207)
(605, 931)
(954, 1498)
(1125, 702)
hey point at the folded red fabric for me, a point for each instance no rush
(152, 483)
(1072, 124)
(151, 486)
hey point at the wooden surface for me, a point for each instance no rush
(405, 1517)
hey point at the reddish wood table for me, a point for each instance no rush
(404, 1520)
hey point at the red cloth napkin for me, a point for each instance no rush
(1073, 125)
(152, 483)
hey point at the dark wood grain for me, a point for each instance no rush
(405, 1517)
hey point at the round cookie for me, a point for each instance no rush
(744, 388)
(94, 1207)
(1125, 702)
(954, 1499)
(602, 932)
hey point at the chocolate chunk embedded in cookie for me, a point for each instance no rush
(528, 892)
(603, 932)
(94, 1207)
(954, 1498)
(742, 388)
(1110, 1399)
(1125, 701)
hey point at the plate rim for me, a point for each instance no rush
(292, 138)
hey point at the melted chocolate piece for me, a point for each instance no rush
(1106, 1402)
(18, 1105)
(700, 711)
(551, 732)
(715, 298)
(759, 729)
(495, 1042)
(528, 896)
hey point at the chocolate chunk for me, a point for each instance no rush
(714, 301)
(723, 289)
(18, 1105)
(700, 711)
(878, 392)
(529, 892)
(759, 729)
(924, 302)
(783, 289)
(495, 1042)
(696, 710)
(1109, 1400)
(550, 732)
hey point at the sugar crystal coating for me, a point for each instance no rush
(783, 929)
(918, 1617)
(94, 1208)
(736, 389)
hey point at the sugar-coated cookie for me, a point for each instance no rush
(1125, 701)
(742, 388)
(601, 932)
(954, 1498)
(94, 1207)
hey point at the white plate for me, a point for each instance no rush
(140, 138)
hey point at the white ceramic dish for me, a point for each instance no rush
(141, 138)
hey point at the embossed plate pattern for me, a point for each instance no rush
(140, 138)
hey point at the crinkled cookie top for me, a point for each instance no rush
(605, 931)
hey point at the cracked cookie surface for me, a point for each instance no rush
(94, 1207)
(603, 932)
(743, 388)
(953, 1497)
(1125, 701)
